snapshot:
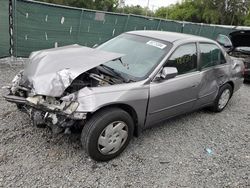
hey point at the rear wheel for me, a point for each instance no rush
(107, 134)
(222, 98)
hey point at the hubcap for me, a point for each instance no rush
(113, 137)
(224, 98)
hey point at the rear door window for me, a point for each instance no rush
(210, 55)
(184, 59)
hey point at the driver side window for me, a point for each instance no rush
(184, 59)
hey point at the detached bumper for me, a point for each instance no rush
(24, 102)
(41, 115)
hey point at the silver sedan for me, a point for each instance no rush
(127, 84)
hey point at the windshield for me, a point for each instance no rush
(141, 54)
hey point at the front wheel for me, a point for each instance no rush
(107, 134)
(222, 98)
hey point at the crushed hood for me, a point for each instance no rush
(240, 38)
(51, 71)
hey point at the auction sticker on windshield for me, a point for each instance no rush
(156, 44)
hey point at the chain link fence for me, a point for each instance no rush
(41, 25)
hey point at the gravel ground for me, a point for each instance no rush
(170, 155)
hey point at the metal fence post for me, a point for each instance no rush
(182, 27)
(11, 28)
(159, 25)
(126, 25)
(80, 24)
(200, 29)
(213, 31)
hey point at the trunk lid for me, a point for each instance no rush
(240, 38)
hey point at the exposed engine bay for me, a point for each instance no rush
(92, 78)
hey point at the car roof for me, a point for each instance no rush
(170, 36)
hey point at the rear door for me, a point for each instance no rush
(177, 95)
(214, 71)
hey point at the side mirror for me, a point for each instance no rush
(168, 72)
(224, 41)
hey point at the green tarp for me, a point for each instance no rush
(40, 25)
(4, 28)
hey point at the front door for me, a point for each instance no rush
(175, 96)
(213, 66)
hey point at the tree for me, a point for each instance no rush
(187, 10)
(226, 12)
(106, 5)
(138, 10)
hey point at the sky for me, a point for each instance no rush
(153, 4)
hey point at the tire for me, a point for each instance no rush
(107, 126)
(227, 90)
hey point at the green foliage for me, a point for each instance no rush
(138, 10)
(247, 20)
(227, 12)
(106, 5)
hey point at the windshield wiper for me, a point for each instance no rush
(123, 64)
(114, 73)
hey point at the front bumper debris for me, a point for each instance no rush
(15, 99)
(58, 120)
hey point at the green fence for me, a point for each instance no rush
(41, 25)
(4, 28)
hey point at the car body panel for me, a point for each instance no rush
(208, 88)
(169, 97)
(135, 95)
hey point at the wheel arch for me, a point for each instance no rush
(127, 108)
(231, 84)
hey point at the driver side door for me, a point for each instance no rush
(177, 95)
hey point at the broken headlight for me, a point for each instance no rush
(51, 103)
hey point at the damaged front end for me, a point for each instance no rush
(48, 87)
(60, 115)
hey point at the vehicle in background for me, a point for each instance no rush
(238, 46)
(124, 86)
